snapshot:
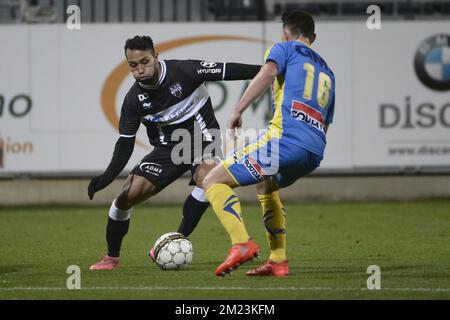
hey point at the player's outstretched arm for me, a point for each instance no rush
(240, 71)
(122, 153)
(256, 87)
(219, 71)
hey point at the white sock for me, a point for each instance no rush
(199, 194)
(117, 214)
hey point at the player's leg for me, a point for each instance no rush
(196, 203)
(151, 175)
(219, 190)
(243, 167)
(194, 207)
(299, 163)
(275, 223)
(218, 185)
(274, 218)
(205, 146)
(204, 159)
(135, 190)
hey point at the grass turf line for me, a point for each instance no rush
(330, 246)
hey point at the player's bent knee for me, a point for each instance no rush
(136, 190)
(267, 186)
(218, 175)
(260, 188)
(201, 172)
(122, 202)
(210, 179)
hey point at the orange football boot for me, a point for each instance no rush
(270, 268)
(239, 254)
(107, 263)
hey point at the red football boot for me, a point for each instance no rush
(151, 254)
(270, 268)
(238, 254)
(107, 263)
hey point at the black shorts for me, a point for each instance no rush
(162, 166)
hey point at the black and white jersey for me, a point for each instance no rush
(178, 100)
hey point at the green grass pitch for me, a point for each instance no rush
(330, 246)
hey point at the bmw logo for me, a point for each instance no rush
(432, 62)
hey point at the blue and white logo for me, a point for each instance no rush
(432, 62)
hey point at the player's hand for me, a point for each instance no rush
(98, 183)
(234, 123)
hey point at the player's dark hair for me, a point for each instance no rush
(139, 43)
(298, 23)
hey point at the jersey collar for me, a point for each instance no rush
(303, 42)
(162, 76)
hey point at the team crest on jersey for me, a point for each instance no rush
(176, 89)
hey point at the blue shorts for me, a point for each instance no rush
(271, 156)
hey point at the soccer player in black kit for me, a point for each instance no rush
(168, 98)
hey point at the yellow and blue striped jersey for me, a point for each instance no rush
(303, 95)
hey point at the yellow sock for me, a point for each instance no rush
(227, 207)
(275, 223)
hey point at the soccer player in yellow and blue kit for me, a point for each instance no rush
(303, 88)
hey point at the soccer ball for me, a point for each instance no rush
(173, 251)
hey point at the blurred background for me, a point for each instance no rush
(63, 79)
(132, 11)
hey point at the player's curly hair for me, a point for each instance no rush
(139, 43)
(298, 22)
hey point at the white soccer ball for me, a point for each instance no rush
(173, 251)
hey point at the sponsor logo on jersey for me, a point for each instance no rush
(254, 168)
(303, 112)
(207, 64)
(143, 96)
(205, 71)
(432, 62)
(176, 89)
(151, 168)
(147, 105)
